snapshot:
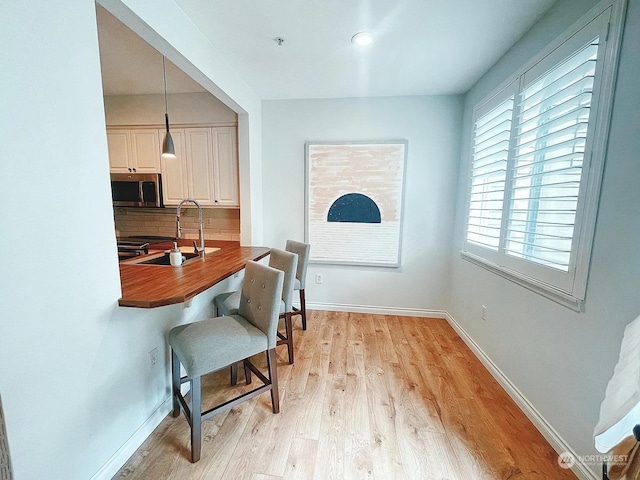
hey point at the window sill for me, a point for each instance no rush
(540, 288)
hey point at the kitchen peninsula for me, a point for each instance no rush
(150, 286)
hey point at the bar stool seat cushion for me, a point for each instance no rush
(229, 302)
(212, 344)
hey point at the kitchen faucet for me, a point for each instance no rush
(198, 249)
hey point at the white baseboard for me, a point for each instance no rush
(118, 459)
(400, 311)
(582, 471)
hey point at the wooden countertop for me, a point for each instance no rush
(150, 286)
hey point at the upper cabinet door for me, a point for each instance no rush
(200, 164)
(119, 148)
(175, 181)
(146, 150)
(225, 148)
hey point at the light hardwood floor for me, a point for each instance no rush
(369, 396)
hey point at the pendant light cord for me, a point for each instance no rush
(166, 107)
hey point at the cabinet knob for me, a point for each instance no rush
(129, 169)
(134, 169)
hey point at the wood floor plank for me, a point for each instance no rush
(273, 457)
(369, 397)
(355, 363)
(217, 450)
(384, 340)
(302, 458)
(472, 443)
(322, 359)
(309, 415)
(358, 461)
(241, 464)
(356, 417)
(382, 417)
(310, 412)
(331, 445)
(338, 356)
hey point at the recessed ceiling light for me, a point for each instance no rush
(362, 39)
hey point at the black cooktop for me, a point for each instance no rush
(135, 246)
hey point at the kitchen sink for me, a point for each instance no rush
(161, 257)
(164, 259)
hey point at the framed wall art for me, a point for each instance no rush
(354, 195)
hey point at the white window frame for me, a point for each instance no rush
(571, 289)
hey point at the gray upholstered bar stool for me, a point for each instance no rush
(302, 250)
(210, 345)
(228, 303)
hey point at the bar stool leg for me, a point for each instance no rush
(303, 309)
(175, 383)
(196, 420)
(288, 325)
(234, 373)
(273, 376)
(247, 372)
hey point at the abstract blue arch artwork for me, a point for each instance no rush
(354, 208)
(353, 205)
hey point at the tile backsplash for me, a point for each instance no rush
(219, 223)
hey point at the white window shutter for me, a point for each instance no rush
(551, 133)
(492, 134)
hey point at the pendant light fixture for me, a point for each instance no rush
(168, 150)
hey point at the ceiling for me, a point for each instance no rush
(421, 47)
(130, 66)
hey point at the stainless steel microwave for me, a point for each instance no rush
(136, 190)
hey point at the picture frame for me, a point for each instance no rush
(354, 201)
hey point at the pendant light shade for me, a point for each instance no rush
(168, 150)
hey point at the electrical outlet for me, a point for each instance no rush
(484, 312)
(153, 357)
(319, 278)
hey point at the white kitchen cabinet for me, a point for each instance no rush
(225, 154)
(200, 165)
(175, 182)
(134, 150)
(118, 142)
(208, 169)
(146, 150)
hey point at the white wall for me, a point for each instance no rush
(184, 108)
(432, 126)
(74, 372)
(559, 359)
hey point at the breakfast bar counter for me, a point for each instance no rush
(150, 286)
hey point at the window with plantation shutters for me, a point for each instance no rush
(537, 156)
(489, 175)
